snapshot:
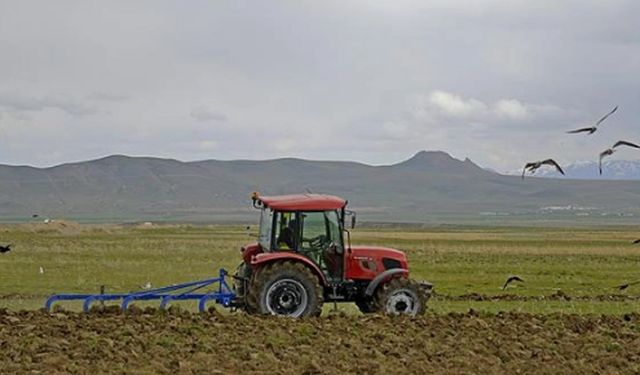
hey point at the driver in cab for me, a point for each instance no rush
(285, 239)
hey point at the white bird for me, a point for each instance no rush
(146, 286)
(533, 166)
(41, 270)
(610, 151)
(592, 129)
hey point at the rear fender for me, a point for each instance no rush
(249, 251)
(385, 276)
(264, 258)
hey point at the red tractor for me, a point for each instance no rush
(301, 260)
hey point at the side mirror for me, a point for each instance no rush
(353, 217)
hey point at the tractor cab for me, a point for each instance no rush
(309, 225)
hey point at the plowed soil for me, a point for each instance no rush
(180, 342)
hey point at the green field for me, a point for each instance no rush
(585, 263)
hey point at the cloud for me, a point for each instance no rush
(511, 109)
(456, 106)
(22, 103)
(107, 97)
(442, 107)
(208, 145)
(284, 144)
(396, 129)
(203, 113)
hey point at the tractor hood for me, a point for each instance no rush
(367, 262)
(379, 253)
(380, 250)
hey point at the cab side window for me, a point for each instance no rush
(286, 238)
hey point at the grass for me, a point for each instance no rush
(579, 262)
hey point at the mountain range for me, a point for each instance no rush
(428, 187)
(611, 170)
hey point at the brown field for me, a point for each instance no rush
(150, 342)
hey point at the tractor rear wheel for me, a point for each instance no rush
(286, 289)
(241, 281)
(401, 296)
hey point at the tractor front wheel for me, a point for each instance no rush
(286, 289)
(401, 296)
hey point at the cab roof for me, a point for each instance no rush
(303, 202)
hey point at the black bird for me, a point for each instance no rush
(610, 151)
(592, 129)
(636, 241)
(34, 216)
(625, 286)
(533, 166)
(510, 280)
(5, 249)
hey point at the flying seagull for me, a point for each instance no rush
(533, 166)
(625, 286)
(5, 249)
(592, 129)
(510, 280)
(610, 151)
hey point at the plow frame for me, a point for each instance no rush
(224, 295)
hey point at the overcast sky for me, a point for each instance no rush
(372, 81)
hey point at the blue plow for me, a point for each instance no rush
(222, 295)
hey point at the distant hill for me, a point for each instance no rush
(612, 170)
(428, 187)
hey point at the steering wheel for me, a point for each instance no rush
(319, 242)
